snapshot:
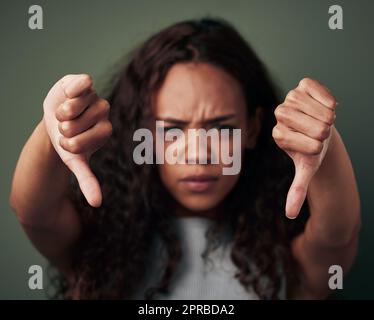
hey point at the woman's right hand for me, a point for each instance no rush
(77, 124)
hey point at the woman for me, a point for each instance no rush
(110, 229)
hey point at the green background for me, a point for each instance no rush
(291, 37)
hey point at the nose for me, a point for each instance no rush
(201, 148)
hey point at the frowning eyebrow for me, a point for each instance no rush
(207, 121)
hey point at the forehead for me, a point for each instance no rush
(196, 91)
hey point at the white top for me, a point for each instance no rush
(195, 278)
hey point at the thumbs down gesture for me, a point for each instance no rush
(303, 130)
(77, 123)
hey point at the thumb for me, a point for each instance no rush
(88, 183)
(298, 190)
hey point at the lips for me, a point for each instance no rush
(199, 183)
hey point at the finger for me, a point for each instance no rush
(87, 181)
(88, 141)
(77, 85)
(298, 190)
(303, 123)
(290, 140)
(93, 114)
(306, 104)
(318, 92)
(72, 108)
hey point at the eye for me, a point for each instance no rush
(173, 132)
(171, 128)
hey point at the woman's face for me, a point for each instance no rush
(201, 96)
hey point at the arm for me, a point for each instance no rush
(75, 124)
(41, 204)
(324, 175)
(331, 233)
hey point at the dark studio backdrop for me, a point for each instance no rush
(292, 38)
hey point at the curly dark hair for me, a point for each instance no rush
(110, 259)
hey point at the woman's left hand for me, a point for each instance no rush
(305, 121)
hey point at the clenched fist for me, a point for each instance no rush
(303, 130)
(77, 123)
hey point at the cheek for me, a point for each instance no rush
(168, 175)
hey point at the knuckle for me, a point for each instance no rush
(86, 79)
(324, 131)
(277, 134)
(293, 95)
(330, 118)
(67, 128)
(68, 109)
(64, 126)
(58, 114)
(108, 128)
(104, 106)
(315, 147)
(332, 101)
(68, 76)
(67, 79)
(60, 128)
(73, 145)
(305, 82)
(278, 112)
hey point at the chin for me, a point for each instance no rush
(198, 203)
